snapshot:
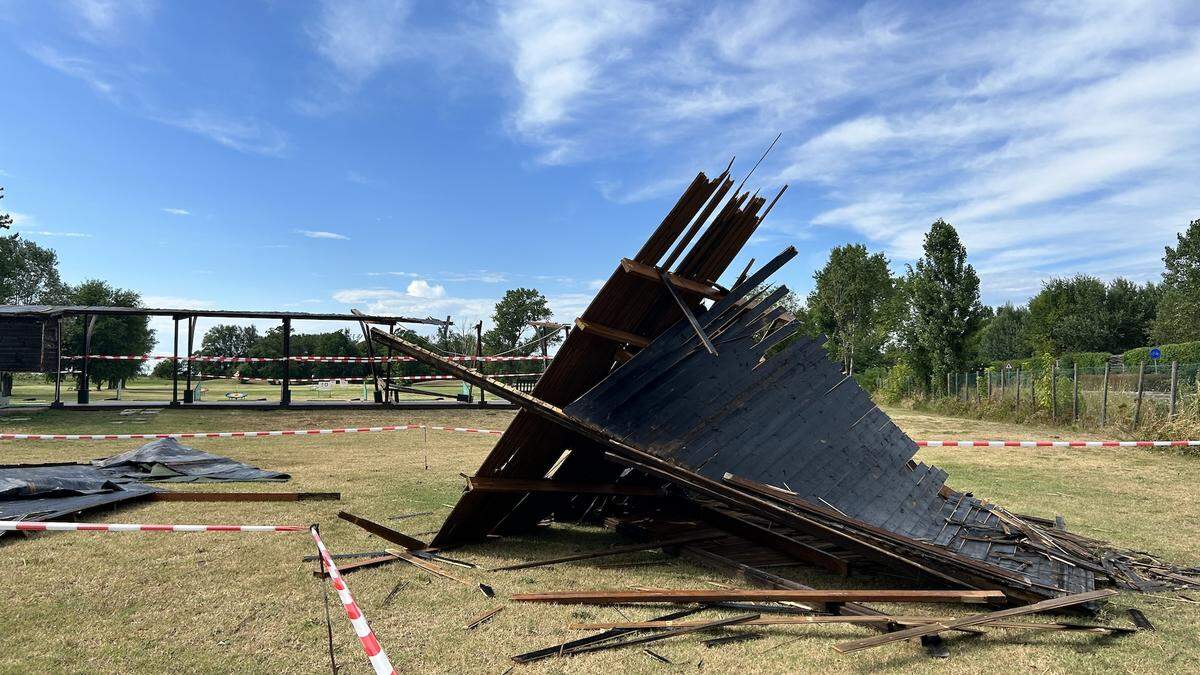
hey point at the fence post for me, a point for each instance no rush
(947, 385)
(1003, 383)
(1075, 395)
(1032, 391)
(1104, 400)
(978, 394)
(1137, 410)
(1174, 387)
(1017, 403)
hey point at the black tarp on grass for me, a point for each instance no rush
(51, 491)
(169, 461)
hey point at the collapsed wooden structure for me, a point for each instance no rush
(740, 424)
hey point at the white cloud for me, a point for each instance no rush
(359, 37)
(177, 212)
(177, 302)
(77, 67)
(106, 20)
(52, 233)
(391, 302)
(419, 288)
(243, 135)
(482, 276)
(322, 234)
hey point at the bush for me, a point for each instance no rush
(901, 381)
(871, 378)
(1183, 352)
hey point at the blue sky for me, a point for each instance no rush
(413, 158)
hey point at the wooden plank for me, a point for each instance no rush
(384, 532)
(764, 621)
(361, 565)
(687, 314)
(674, 632)
(616, 550)
(609, 597)
(559, 649)
(495, 484)
(244, 496)
(918, 631)
(609, 333)
(682, 283)
(480, 619)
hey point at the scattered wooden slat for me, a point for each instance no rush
(729, 639)
(559, 649)
(763, 621)
(655, 637)
(656, 656)
(1139, 619)
(384, 532)
(609, 597)
(687, 313)
(616, 550)
(347, 556)
(489, 484)
(930, 629)
(484, 617)
(406, 516)
(244, 496)
(361, 565)
(424, 564)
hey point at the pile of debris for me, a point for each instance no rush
(678, 401)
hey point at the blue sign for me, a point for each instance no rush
(1156, 353)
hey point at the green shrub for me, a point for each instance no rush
(901, 381)
(871, 378)
(1183, 352)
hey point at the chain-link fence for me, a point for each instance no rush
(1110, 394)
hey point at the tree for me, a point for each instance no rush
(112, 334)
(510, 321)
(1178, 313)
(852, 292)
(227, 340)
(943, 306)
(6, 220)
(28, 273)
(1083, 314)
(1004, 335)
(1129, 314)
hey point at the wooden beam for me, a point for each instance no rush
(384, 532)
(919, 631)
(605, 597)
(614, 334)
(687, 313)
(244, 496)
(616, 550)
(362, 564)
(882, 619)
(497, 484)
(682, 283)
(560, 649)
(655, 637)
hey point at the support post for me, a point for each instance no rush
(948, 389)
(1104, 396)
(1075, 394)
(1003, 382)
(175, 365)
(58, 366)
(1032, 391)
(479, 358)
(1017, 403)
(1054, 391)
(285, 392)
(89, 323)
(1174, 387)
(189, 395)
(1137, 410)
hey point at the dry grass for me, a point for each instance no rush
(246, 602)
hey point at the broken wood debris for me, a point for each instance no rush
(480, 619)
(616, 550)
(179, 496)
(384, 532)
(734, 595)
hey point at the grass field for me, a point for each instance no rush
(247, 603)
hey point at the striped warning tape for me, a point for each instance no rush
(241, 434)
(1055, 444)
(379, 659)
(30, 526)
(305, 359)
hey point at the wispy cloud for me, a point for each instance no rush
(77, 67)
(322, 234)
(416, 301)
(107, 20)
(52, 233)
(177, 212)
(243, 135)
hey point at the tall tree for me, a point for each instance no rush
(944, 308)
(848, 302)
(1178, 313)
(6, 220)
(510, 321)
(28, 273)
(1129, 311)
(114, 335)
(1083, 314)
(227, 340)
(1004, 335)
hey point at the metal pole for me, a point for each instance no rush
(1054, 390)
(947, 385)
(189, 395)
(1174, 387)
(1003, 383)
(82, 395)
(175, 365)
(1104, 398)
(58, 365)
(1075, 395)
(478, 358)
(1017, 404)
(285, 392)
(1137, 411)
(1032, 390)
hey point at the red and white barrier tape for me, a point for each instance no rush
(33, 526)
(379, 659)
(240, 434)
(304, 359)
(1055, 444)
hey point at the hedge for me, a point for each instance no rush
(1084, 359)
(1183, 352)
